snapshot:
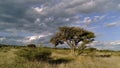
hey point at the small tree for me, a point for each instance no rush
(73, 36)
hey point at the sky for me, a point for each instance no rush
(36, 21)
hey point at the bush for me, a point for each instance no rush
(34, 54)
(92, 49)
(31, 45)
(5, 49)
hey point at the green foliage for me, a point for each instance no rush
(31, 45)
(34, 54)
(72, 36)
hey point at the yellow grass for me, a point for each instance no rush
(10, 60)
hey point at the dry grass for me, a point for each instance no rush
(10, 60)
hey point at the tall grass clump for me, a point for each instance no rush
(34, 54)
(5, 49)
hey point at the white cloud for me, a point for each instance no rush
(118, 6)
(98, 18)
(113, 24)
(30, 39)
(67, 19)
(37, 21)
(115, 42)
(11, 30)
(106, 45)
(38, 9)
(1, 39)
(87, 20)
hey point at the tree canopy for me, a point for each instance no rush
(72, 36)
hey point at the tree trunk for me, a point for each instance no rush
(73, 47)
(81, 48)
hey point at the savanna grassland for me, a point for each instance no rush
(39, 57)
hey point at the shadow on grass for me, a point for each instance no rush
(59, 61)
(103, 56)
(42, 55)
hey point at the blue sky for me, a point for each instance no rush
(36, 21)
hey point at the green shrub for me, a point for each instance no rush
(34, 54)
(31, 45)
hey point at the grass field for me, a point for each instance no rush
(61, 58)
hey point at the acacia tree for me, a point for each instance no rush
(73, 36)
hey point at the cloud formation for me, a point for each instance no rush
(113, 24)
(114, 45)
(22, 15)
(38, 17)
